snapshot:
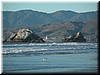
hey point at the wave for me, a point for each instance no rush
(43, 44)
(49, 48)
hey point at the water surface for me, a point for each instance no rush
(50, 57)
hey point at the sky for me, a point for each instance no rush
(50, 7)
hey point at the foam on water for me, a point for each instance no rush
(49, 48)
(50, 57)
(32, 44)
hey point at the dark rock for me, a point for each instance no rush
(78, 38)
(25, 35)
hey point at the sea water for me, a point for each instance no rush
(50, 57)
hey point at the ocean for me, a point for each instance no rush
(50, 57)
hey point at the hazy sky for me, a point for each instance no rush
(50, 7)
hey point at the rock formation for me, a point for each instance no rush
(76, 38)
(25, 35)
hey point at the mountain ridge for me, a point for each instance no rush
(29, 17)
(58, 24)
(49, 12)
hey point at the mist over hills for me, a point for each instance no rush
(57, 24)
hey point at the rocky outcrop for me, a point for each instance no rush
(25, 35)
(76, 38)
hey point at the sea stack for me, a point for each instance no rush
(76, 38)
(25, 35)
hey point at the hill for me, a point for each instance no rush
(24, 18)
(55, 25)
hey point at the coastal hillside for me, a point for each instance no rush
(55, 25)
(24, 18)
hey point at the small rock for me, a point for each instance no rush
(78, 38)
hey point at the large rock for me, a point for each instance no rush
(76, 38)
(25, 35)
(79, 37)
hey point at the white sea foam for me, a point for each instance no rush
(33, 44)
(35, 47)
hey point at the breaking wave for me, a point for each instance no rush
(48, 48)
